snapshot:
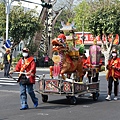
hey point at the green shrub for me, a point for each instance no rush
(50, 63)
(17, 58)
(102, 68)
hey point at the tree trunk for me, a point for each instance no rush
(53, 23)
(106, 55)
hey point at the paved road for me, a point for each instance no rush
(58, 107)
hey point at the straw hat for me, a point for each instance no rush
(8, 50)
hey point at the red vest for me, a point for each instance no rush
(116, 71)
(30, 65)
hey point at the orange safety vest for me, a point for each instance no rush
(113, 72)
(27, 62)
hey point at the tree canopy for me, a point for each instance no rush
(23, 24)
(82, 12)
(2, 20)
(105, 20)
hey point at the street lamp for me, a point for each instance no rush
(7, 4)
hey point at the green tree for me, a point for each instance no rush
(31, 46)
(2, 20)
(82, 12)
(105, 20)
(23, 24)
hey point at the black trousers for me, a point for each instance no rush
(94, 79)
(6, 69)
(45, 64)
(116, 83)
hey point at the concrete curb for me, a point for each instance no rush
(42, 69)
(103, 73)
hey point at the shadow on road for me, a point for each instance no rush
(80, 101)
(65, 103)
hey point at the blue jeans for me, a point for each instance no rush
(23, 94)
(6, 69)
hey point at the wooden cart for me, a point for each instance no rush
(68, 88)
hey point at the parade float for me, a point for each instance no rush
(66, 74)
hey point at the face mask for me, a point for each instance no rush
(114, 54)
(25, 54)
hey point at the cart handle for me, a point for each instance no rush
(38, 76)
(26, 73)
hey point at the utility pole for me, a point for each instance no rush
(7, 17)
(7, 4)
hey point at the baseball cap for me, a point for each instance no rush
(25, 49)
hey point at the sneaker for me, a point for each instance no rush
(24, 108)
(36, 104)
(7, 76)
(115, 98)
(108, 98)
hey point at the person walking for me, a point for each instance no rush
(7, 62)
(113, 75)
(26, 81)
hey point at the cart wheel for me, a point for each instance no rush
(44, 98)
(95, 96)
(73, 100)
(68, 97)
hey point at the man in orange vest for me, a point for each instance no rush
(113, 75)
(26, 65)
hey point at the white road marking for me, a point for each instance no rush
(10, 91)
(8, 83)
(11, 81)
(43, 114)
